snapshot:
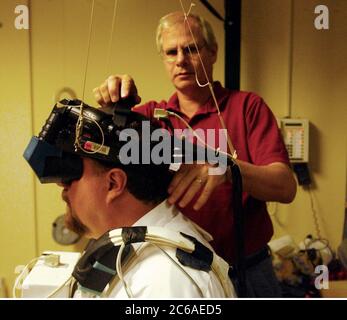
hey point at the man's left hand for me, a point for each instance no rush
(189, 180)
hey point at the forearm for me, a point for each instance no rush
(274, 182)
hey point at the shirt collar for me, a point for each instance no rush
(163, 214)
(209, 107)
(156, 216)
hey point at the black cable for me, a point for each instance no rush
(212, 10)
(239, 227)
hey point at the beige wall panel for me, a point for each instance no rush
(317, 92)
(265, 51)
(17, 217)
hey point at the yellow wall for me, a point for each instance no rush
(57, 40)
(279, 43)
(17, 205)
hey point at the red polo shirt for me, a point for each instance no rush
(256, 138)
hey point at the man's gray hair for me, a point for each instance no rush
(178, 17)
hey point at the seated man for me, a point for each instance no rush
(83, 155)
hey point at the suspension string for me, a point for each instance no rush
(115, 7)
(174, 114)
(195, 45)
(88, 49)
(208, 83)
(79, 124)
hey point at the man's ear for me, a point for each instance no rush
(214, 52)
(116, 184)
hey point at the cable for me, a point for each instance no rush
(79, 128)
(79, 124)
(155, 238)
(314, 212)
(120, 273)
(20, 277)
(208, 83)
(212, 9)
(115, 6)
(60, 287)
(198, 137)
(25, 272)
(88, 48)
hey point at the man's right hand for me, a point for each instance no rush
(114, 88)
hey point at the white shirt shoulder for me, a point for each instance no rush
(157, 273)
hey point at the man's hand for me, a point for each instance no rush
(114, 88)
(190, 179)
(272, 182)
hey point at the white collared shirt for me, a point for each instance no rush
(152, 275)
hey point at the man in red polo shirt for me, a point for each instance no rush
(262, 157)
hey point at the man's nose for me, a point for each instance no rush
(181, 57)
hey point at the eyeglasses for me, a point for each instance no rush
(192, 51)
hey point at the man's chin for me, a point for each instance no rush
(75, 225)
(185, 84)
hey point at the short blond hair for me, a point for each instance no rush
(178, 17)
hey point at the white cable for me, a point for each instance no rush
(27, 269)
(120, 273)
(88, 48)
(158, 235)
(208, 82)
(59, 288)
(79, 129)
(232, 157)
(20, 277)
(115, 6)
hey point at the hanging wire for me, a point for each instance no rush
(79, 124)
(80, 121)
(315, 216)
(120, 272)
(208, 82)
(204, 143)
(108, 63)
(88, 48)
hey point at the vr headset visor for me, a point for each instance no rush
(54, 155)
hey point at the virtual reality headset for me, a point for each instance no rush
(56, 153)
